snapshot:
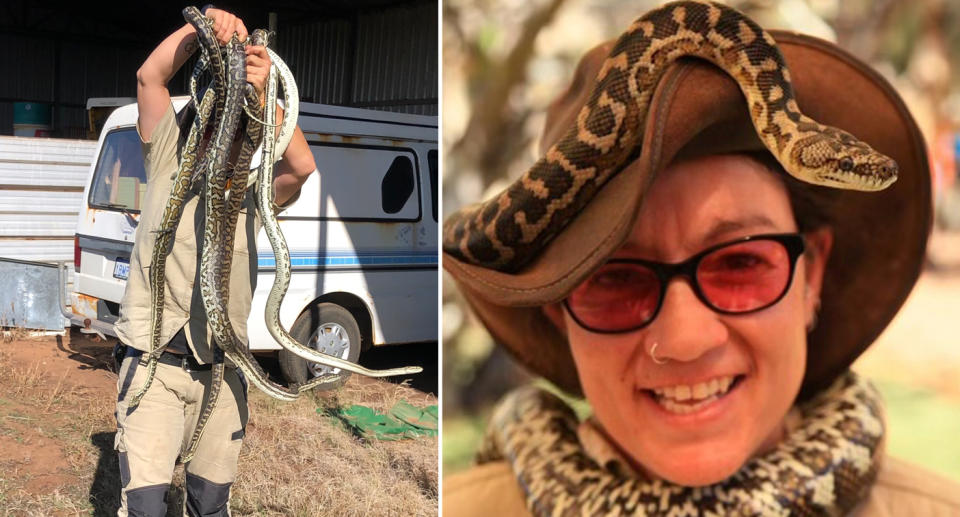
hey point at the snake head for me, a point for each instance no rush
(835, 158)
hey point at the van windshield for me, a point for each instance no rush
(120, 181)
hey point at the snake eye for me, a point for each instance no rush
(846, 164)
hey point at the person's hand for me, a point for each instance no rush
(258, 68)
(225, 24)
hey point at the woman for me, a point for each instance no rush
(707, 305)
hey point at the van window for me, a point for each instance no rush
(356, 182)
(432, 163)
(120, 181)
(397, 185)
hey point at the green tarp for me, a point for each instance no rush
(402, 421)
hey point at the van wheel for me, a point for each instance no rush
(330, 329)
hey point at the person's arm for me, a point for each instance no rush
(297, 162)
(162, 64)
(293, 169)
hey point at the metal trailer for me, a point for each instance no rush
(41, 192)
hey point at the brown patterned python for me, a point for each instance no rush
(210, 105)
(824, 467)
(225, 189)
(221, 220)
(220, 228)
(507, 231)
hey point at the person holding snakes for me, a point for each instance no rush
(723, 219)
(151, 436)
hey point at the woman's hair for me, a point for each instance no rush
(811, 204)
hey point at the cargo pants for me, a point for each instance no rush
(151, 436)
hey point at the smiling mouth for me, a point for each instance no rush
(684, 399)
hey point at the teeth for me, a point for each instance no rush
(694, 397)
(700, 391)
(683, 409)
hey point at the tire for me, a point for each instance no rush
(338, 335)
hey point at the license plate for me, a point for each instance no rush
(121, 269)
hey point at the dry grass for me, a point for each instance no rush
(300, 463)
(20, 502)
(53, 458)
(57, 458)
(10, 334)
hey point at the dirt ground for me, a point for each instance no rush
(57, 397)
(79, 365)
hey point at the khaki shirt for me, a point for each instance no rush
(900, 489)
(182, 303)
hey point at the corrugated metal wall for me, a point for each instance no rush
(41, 190)
(85, 70)
(89, 70)
(386, 59)
(377, 58)
(319, 55)
(396, 53)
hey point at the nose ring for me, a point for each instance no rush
(653, 352)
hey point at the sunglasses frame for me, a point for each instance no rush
(793, 243)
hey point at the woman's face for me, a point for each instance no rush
(691, 206)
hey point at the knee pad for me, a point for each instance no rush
(206, 498)
(147, 501)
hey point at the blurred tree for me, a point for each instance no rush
(493, 139)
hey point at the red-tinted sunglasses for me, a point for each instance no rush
(735, 277)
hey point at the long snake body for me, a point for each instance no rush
(224, 188)
(164, 235)
(506, 232)
(265, 204)
(220, 224)
(823, 467)
(187, 174)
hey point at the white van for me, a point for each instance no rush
(362, 236)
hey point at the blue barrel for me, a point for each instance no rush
(31, 119)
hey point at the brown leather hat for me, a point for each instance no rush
(880, 237)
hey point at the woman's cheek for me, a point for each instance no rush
(604, 365)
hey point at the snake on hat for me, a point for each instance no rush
(506, 232)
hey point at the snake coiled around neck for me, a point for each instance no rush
(824, 467)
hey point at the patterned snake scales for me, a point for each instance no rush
(224, 190)
(821, 469)
(507, 231)
(824, 467)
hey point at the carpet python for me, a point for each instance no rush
(508, 231)
(265, 204)
(224, 188)
(173, 209)
(825, 466)
(221, 222)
